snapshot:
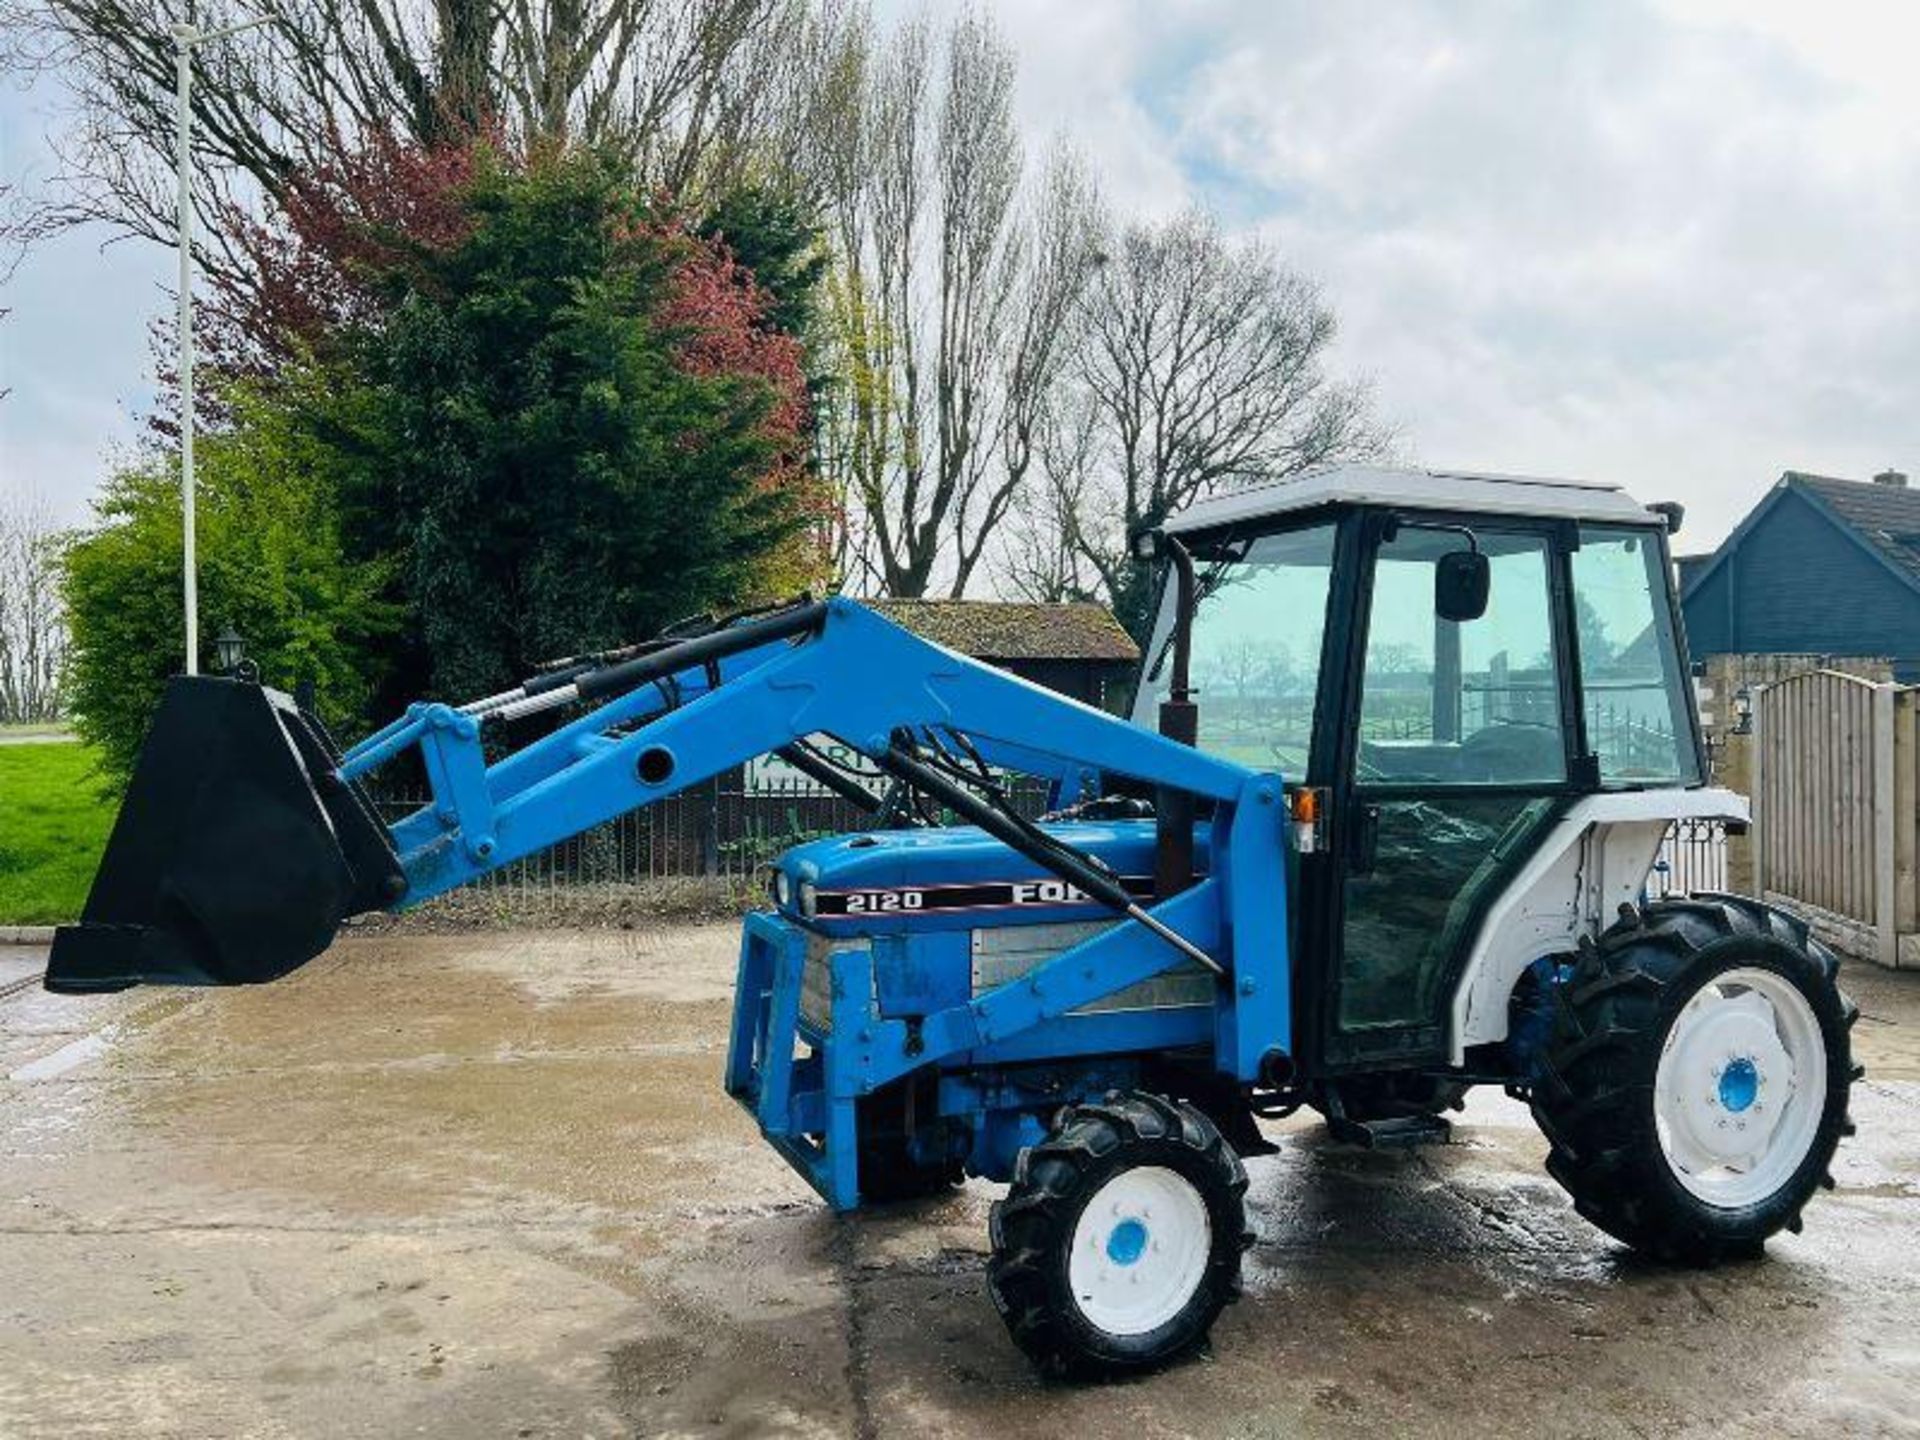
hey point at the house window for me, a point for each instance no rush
(1637, 697)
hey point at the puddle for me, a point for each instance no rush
(68, 1057)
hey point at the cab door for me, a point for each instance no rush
(1457, 749)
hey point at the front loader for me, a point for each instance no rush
(1396, 846)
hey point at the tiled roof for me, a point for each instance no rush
(1015, 630)
(1885, 516)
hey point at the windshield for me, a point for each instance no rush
(1256, 647)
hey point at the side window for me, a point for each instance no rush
(1256, 647)
(1472, 703)
(1635, 694)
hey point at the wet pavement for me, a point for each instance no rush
(487, 1185)
(20, 966)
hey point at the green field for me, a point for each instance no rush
(53, 825)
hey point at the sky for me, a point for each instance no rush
(1667, 243)
(75, 363)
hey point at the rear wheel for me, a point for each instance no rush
(1120, 1239)
(1697, 1082)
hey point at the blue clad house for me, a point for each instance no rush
(1819, 567)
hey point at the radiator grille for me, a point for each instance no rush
(816, 979)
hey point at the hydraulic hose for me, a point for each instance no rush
(556, 675)
(602, 682)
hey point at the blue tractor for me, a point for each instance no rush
(1398, 848)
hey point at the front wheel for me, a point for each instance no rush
(1697, 1082)
(1119, 1241)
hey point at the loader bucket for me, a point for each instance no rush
(237, 852)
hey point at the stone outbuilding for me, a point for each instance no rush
(1076, 648)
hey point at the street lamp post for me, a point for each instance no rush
(186, 39)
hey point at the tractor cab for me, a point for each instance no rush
(1335, 640)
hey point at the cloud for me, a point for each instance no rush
(1668, 244)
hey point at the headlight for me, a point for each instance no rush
(782, 889)
(809, 898)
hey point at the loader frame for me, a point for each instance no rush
(692, 711)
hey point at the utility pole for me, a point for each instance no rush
(186, 39)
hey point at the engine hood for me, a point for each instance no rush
(955, 877)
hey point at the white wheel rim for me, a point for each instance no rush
(1140, 1249)
(1741, 1086)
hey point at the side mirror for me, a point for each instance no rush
(1460, 584)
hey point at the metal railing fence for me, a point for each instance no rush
(727, 829)
(1692, 859)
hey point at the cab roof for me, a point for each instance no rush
(1457, 490)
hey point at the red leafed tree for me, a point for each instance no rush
(322, 264)
(313, 270)
(720, 310)
(341, 249)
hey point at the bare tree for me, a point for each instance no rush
(1045, 554)
(1204, 365)
(33, 630)
(924, 230)
(684, 87)
(16, 235)
(1058, 251)
(949, 303)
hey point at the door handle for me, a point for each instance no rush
(1364, 848)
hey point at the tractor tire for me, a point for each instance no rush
(1696, 1084)
(1120, 1239)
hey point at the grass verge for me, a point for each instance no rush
(53, 826)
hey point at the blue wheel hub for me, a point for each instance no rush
(1739, 1084)
(1127, 1242)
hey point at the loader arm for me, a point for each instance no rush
(835, 668)
(666, 719)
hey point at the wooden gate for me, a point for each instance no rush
(1834, 821)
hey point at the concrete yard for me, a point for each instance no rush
(486, 1185)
